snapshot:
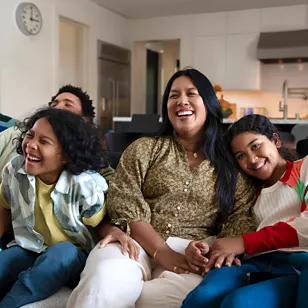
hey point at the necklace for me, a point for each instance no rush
(195, 155)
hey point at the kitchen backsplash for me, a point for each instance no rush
(273, 75)
(268, 100)
(271, 81)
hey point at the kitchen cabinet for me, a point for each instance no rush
(230, 61)
(281, 18)
(240, 22)
(242, 65)
(210, 57)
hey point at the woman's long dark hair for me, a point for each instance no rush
(213, 146)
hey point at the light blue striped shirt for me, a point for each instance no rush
(74, 197)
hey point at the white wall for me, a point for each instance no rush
(29, 70)
(138, 80)
(169, 57)
(222, 45)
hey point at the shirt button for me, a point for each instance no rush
(187, 183)
(169, 225)
(178, 207)
(185, 189)
(176, 214)
(167, 231)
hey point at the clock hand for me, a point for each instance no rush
(32, 19)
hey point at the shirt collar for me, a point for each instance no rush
(62, 184)
(285, 178)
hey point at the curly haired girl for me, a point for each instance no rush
(53, 194)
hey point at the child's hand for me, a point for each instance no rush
(223, 251)
(128, 244)
(194, 255)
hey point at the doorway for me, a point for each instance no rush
(154, 62)
(73, 53)
(152, 81)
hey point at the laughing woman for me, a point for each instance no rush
(168, 190)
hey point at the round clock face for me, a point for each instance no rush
(28, 18)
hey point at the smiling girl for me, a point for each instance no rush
(53, 195)
(278, 249)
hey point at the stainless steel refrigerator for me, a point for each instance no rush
(113, 83)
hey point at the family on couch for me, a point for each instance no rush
(181, 198)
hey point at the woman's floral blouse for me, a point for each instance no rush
(153, 183)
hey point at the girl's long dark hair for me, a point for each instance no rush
(213, 146)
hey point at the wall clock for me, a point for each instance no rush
(28, 18)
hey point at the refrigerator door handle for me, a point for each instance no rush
(117, 98)
(102, 104)
(113, 96)
(102, 109)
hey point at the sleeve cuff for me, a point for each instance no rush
(281, 235)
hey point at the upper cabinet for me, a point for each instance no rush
(226, 48)
(210, 57)
(230, 61)
(242, 66)
(284, 18)
(240, 22)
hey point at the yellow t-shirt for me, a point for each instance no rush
(45, 221)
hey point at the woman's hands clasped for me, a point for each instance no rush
(128, 245)
(199, 257)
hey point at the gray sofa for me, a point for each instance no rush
(57, 300)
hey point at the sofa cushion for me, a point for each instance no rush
(57, 300)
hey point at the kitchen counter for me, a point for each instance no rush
(122, 124)
(230, 121)
(277, 121)
(122, 119)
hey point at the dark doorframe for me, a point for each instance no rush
(152, 81)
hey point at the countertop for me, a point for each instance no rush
(274, 121)
(277, 121)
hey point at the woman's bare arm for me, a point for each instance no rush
(155, 246)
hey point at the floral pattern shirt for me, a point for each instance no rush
(153, 183)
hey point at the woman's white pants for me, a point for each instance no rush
(112, 280)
